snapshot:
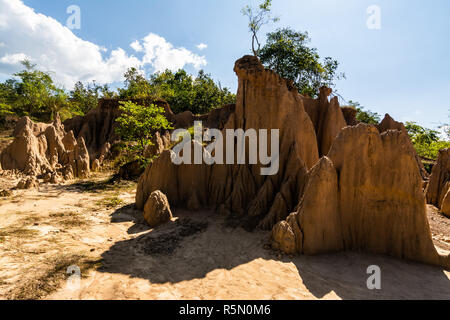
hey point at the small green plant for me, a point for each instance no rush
(111, 202)
(137, 124)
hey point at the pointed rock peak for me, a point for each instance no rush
(388, 123)
(248, 63)
(325, 92)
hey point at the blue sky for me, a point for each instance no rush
(401, 69)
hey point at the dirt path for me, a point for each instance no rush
(440, 228)
(93, 227)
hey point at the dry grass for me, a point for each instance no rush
(41, 242)
(5, 193)
(110, 202)
(17, 232)
(110, 184)
(50, 280)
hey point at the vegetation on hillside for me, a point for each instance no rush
(426, 141)
(182, 91)
(32, 92)
(136, 126)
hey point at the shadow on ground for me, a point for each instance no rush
(200, 243)
(103, 182)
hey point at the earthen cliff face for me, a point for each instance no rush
(365, 195)
(264, 101)
(438, 189)
(339, 187)
(46, 150)
(97, 128)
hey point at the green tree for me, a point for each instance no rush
(139, 123)
(58, 102)
(8, 92)
(33, 91)
(7, 96)
(257, 18)
(182, 91)
(208, 95)
(426, 141)
(186, 93)
(136, 86)
(365, 116)
(420, 134)
(176, 88)
(106, 92)
(85, 98)
(287, 52)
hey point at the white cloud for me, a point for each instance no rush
(162, 55)
(55, 48)
(202, 46)
(13, 58)
(136, 46)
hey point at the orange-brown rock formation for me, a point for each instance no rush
(390, 124)
(366, 194)
(97, 128)
(439, 184)
(264, 100)
(46, 149)
(327, 118)
(350, 115)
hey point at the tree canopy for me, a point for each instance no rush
(426, 141)
(85, 97)
(287, 52)
(365, 116)
(138, 123)
(32, 92)
(182, 91)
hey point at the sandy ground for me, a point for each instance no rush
(49, 236)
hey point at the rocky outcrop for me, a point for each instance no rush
(46, 149)
(26, 122)
(28, 183)
(216, 118)
(97, 128)
(266, 101)
(159, 143)
(131, 170)
(327, 117)
(365, 195)
(390, 124)
(350, 115)
(439, 184)
(95, 165)
(157, 209)
(445, 208)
